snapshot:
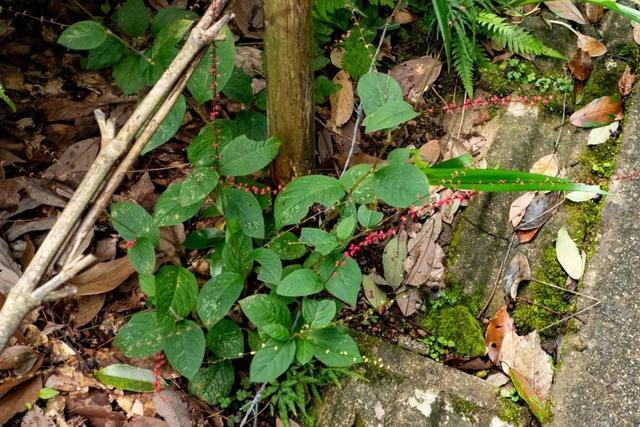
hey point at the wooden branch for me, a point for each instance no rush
(22, 298)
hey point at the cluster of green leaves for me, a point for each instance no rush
(438, 346)
(524, 73)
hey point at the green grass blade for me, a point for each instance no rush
(442, 15)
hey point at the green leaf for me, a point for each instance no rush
(322, 88)
(299, 283)
(132, 222)
(345, 228)
(47, 393)
(369, 218)
(270, 270)
(294, 201)
(169, 211)
(344, 282)
(389, 116)
(132, 18)
(142, 256)
(141, 336)
(167, 15)
(318, 313)
(203, 239)
(198, 185)
(238, 88)
(243, 156)
(324, 242)
(263, 309)
(217, 296)
(213, 382)
(359, 180)
(169, 125)
(201, 151)
(276, 331)
(401, 185)
(200, 83)
(107, 54)
(460, 162)
(334, 347)
(244, 208)
(127, 377)
(176, 292)
(399, 155)
(225, 339)
(252, 124)
(272, 361)
(287, 246)
(83, 35)
(304, 350)
(236, 252)
(393, 258)
(131, 73)
(184, 348)
(147, 283)
(441, 9)
(4, 97)
(164, 47)
(376, 89)
(374, 294)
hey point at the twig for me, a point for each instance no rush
(253, 406)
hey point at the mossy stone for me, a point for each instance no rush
(458, 325)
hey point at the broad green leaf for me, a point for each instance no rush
(304, 350)
(441, 11)
(320, 239)
(142, 256)
(201, 151)
(401, 185)
(169, 211)
(127, 377)
(225, 339)
(300, 283)
(359, 181)
(203, 238)
(141, 336)
(369, 218)
(318, 313)
(131, 73)
(200, 83)
(236, 254)
(276, 331)
(147, 283)
(244, 208)
(184, 348)
(389, 116)
(287, 246)
(176, 292)
(198, 185)
(83, 35)
(252, 124)
(263, 309)
(345, 228)
(107, 54)
(460, 162)
(132, 222)
(47, 393)
(294, 201)
(217, 297)
(272, 361)
(344, 282)
(529, 395)
(374, 294)
(132, 17)
(238, 88)
(393, 258)
(399, 155)
(243, 156)
(270, 270)
(335, 347)
(376, 89)
(164, 47)
(169, 125)
(167, 15)
(213, 382)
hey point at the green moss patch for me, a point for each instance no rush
(457, 324)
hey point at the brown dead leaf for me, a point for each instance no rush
(96, 408)
(10, 192)
(636, 33)
(567, 10)
(580, 65)
(12, 382)
(519, 207)
(172, 408)
(28, 226)
(103, 277)
(482, 116)
(36, 418)
(539, 211)
(425, 259)
(546, 165)
(341, 101)
(408, 300)
(625, 84)
(336, 57)
(592, 46)
(74, 162)
(249, 59)
(499, 325)
(145, 422)
(416, 75)
(249, 18)
(87, 309)
(599, 112)
(517, 271)
(593, 12)
(404, 16)
(17, 401)
(9, 269)
(430, 152)
(356, 159)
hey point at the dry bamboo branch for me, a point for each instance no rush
(22, 298)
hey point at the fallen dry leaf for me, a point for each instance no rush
(145, 422)
(568, 255)
(103, 277)
(415, 76)
(430, 152)
(567, 10)
(425, 260)
(9, 269)
(249, 59)
(87, 308)
(74, 162)
(36, 418)
(28, 226)
(602, 134)
(580, 65)
(408, 300)
(519, 207)
(170, 406)
(525, 236)
(404, 16)
(499, 325)
(599, 112)
(341, 101)
(546, 165)
(393, 256)
(249, 18)
(625, 84)
(580, 196)
(593, 12)
(17, 401)
(592, 46)
(517, 271)
(636, 33)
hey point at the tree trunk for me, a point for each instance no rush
(288, 38)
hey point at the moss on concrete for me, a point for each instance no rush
(464, 407)
(510, 411)
(457, 324)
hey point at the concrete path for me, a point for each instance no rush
(599, 380)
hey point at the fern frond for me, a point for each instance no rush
(464, 60)
(513, 37)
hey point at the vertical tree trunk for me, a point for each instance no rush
(288, 38)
